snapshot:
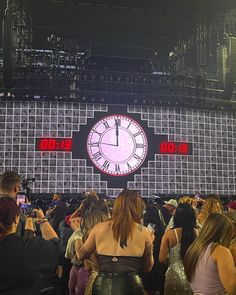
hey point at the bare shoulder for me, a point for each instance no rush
(141, 227)
(219, 252)
(169, 237)
(169, 233)
(142, 231)
(103, 225)
(221, 249)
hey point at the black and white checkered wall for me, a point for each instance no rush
(211, 168)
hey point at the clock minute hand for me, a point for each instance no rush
(117, 133)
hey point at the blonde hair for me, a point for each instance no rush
(231, 216)
(210, 206)
(217, 230)
(185, 200)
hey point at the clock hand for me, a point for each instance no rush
(108, 144)
(117, 133)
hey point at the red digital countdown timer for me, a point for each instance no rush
(54, 144)
(178, 148)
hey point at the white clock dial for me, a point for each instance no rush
(117, 145)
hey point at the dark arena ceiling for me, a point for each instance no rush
(182, 43)
(143, 23)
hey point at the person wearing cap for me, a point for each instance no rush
(171, 205)
(232, 206)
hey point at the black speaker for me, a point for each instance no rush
(8, 52)
(230, 76)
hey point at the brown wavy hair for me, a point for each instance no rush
(217, 230)
(126, 212)
(210, 206)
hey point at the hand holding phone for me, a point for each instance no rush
(28, 210)
(39, 213)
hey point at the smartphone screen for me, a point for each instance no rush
(20, 198)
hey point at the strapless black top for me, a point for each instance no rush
(119, 264)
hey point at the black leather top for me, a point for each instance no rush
(119, 264)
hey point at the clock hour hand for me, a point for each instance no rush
(117, 133)
(108, 144)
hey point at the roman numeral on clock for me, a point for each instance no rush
(106, 164)
(106, 124)
(138, 133)
(99, 133)
(117, 168)
(94, 144)
(97, 156)
(128, 125)
(129, 167)
(139, 145)
(118, 122)
(137, 157)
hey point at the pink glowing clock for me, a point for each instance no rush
(117, 145)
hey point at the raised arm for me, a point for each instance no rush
(46, 229)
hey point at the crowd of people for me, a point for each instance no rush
(127, 247)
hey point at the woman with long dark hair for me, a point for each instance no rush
(208, 263)
(123, 246)
(175, 243)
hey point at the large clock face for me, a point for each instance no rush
(117, 145)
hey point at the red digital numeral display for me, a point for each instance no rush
(54, 144)
(180, 148)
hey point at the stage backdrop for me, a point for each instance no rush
(70, 147)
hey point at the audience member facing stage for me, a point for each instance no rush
(56, 197)
(212, 204)
(154, 280)
(9, 187)
(171, 206)
(208, 263)
(185, 200)
(175, 243)
(85, 208)
(232, 216)
(123, 246)
(232, 206)
(21, 260)
(9, 184)
(82, 278)
(65, 232)
(57, 213)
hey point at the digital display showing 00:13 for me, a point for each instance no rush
(178, 148)
(54, 144)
